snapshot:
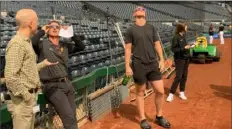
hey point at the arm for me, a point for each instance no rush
(157, 44)
(36, 40)
(128, 47)
(14, 61)
(2, 80)
(78, 46)
(45, 63)
(41, 65)
(159, 50)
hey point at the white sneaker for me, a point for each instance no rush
(170, 97)
(182, 96)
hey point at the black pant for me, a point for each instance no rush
(62, 96)
(181, 75)
(145, 72)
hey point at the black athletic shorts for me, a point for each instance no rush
(145, 72)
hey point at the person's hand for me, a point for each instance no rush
(187, 47)
(64, 27)
(46, 62)
(129, 71)
(161, 65)
(2, 80)
(45, 28)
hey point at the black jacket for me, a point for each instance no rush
(46, 50)
(178, 44)
(211, 32)
(221, 28)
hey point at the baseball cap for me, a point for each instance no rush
(139, 11)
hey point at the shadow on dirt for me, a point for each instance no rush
(198, 63)
(129, 111)
(222, 91)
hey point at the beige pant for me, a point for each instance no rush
(22, 112)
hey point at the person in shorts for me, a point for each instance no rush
(141, 45)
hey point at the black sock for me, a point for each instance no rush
(144, 120)
(159, 117)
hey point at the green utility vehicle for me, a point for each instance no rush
(202, 51)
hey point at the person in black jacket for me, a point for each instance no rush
(211, 33)
(56, 85)
(181, 52)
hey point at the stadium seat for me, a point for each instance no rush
(95, 54)
(100, 65)
(84, 70)
(89, 56)
(93, 67)
(107, 63)
(82, 58)
(75, 73)
(101, 53)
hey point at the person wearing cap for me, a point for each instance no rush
(57, 86)
(221, 33)
(142, 43)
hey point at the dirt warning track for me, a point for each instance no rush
(208, 105)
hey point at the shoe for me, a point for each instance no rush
(162, 122)
(170, 97)
(182, 96)
(145, 125)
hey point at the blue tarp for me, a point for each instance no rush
(215, 36)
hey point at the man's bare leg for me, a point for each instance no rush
(140, 89)
(159, 99)
(159, 96)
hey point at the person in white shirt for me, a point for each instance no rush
(221, 33)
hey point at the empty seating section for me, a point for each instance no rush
(182, 11)
(124, 10)
(7, 30)
(219, 10)
(97, 53)
(70, 4)
(96, 36)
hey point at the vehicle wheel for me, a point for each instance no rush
(217, 57)
(201, 58)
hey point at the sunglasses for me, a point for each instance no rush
(54, 27)
(140, 9)
(139, 16)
